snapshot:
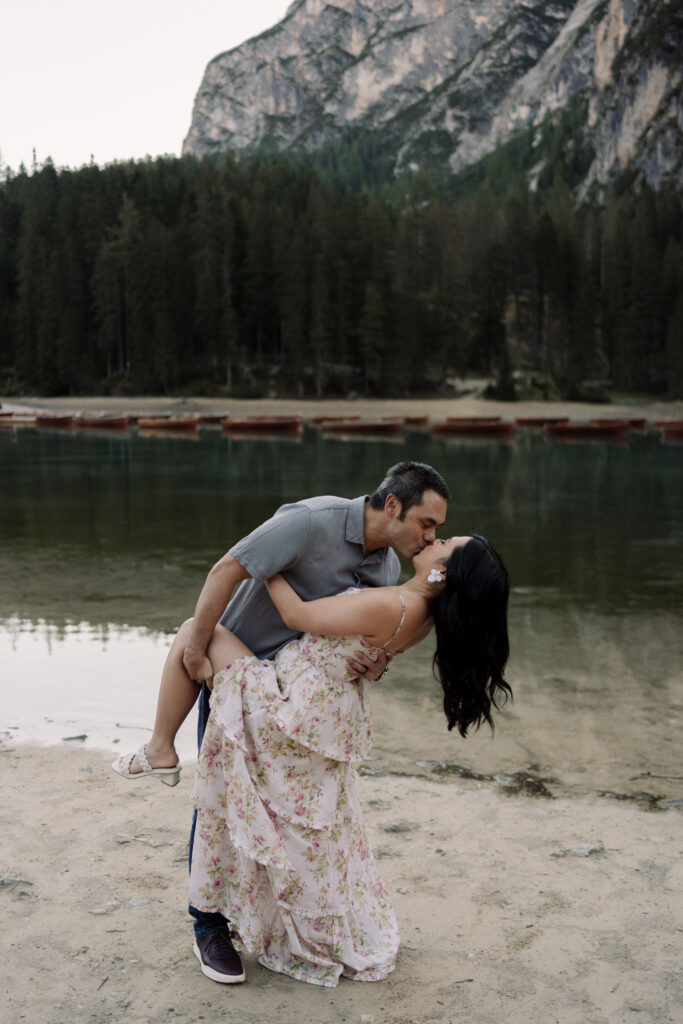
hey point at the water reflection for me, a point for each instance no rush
(598, 701)
(121, 529)
(594, 524)
(82, 685)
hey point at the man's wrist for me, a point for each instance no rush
(193, 651)
(386, 667)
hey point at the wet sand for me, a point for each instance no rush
(511, 908)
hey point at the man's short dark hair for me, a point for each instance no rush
(408, 481)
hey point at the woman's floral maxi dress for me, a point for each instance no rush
(280, 848)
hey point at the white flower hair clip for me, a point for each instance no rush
(434, 576)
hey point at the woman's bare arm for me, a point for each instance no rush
(417, 636)
(373, 613)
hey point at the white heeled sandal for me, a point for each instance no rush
(122, 765)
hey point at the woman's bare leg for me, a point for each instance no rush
(224, 648)
(178, 693)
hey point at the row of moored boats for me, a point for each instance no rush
(555, 427)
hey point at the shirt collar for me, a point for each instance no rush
(355, 521)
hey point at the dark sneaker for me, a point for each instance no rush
(219, 959)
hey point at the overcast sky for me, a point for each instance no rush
(114, 80)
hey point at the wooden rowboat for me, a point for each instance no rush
(409, 421)
(103, 422)
(318, 421)
(473, 419)
(262, 425)
(281, 436)
(475, 427)
(635, 423)
(673, 432)
(388, 427)
(13, 420)
(211, 419)
(61, 422)
(275, 417)
(160, 423)
(135, 417)
(540, 421)
(668, 423)
(616, 431)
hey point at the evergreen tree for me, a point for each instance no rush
(165, 274)
(373, 337)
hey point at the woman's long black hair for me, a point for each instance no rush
(472, 646)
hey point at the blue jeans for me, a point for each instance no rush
(203, 922)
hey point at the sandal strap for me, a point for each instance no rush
(143, 760)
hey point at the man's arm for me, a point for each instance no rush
(273, 546)
(215, 595)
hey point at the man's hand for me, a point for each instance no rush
(216, 592)
(197, 665)
(364, 667)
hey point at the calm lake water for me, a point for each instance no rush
(105, 542)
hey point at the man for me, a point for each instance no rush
(322, 546)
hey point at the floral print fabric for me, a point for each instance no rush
(280, 848)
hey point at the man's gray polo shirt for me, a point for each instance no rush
(317, 544)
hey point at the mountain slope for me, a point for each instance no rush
(445, 82)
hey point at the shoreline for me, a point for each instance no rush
(509, 907)
(435, 408)
(557, 738)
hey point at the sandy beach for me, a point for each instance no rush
(435, 408)
(511, 908)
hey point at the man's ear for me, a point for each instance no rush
(392, 507)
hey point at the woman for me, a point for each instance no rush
(280, 849)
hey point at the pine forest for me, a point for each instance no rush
(268, 276)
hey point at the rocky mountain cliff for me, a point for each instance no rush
(447, 82)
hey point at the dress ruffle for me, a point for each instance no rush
(326, 712)
(280, 847)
